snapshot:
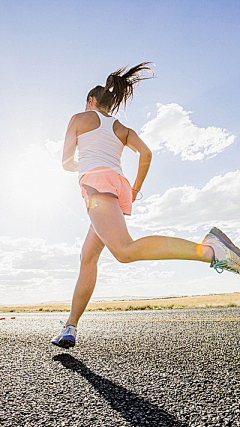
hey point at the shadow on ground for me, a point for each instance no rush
(135, 409)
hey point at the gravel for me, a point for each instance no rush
(152, 368)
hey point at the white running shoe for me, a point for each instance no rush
(226, 254)
(67, 336)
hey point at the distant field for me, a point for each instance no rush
(198, 301)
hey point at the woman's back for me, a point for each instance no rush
(90, 121)
(98, 144)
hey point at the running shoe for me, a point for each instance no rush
(67, 336)
(226, 254)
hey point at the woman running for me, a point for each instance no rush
(100, 139)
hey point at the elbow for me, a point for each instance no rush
(145, 158)
(66, 163)
(148, 155)
(66, 166)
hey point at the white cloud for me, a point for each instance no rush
(187, 208)
(54, 147)
(33, 270)
(173, 130)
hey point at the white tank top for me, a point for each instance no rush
(100, 147)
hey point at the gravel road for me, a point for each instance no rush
(150, 368)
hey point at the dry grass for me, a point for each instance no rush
(198, 301)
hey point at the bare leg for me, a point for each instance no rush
(109, 223)
(109, 228)
(91, 251)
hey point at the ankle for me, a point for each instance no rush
(205, 253)
(70, 323)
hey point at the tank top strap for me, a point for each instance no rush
(105, 122)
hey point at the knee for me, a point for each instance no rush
(86, 258)
(123, 255)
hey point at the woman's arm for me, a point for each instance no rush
(137, 145)
(70, 145)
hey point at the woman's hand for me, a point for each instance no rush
(134, 195)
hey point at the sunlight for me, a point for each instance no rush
(35, 181)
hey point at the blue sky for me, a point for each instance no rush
(52, 54)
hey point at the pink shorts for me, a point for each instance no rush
(107, 181)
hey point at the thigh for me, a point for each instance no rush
(92, 246)
(109, 223)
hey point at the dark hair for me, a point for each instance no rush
(119, 87)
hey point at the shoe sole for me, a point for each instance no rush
(64, 343)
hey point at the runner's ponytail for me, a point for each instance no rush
(119, 87)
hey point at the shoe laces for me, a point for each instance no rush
(64, 325)
(219, 266)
